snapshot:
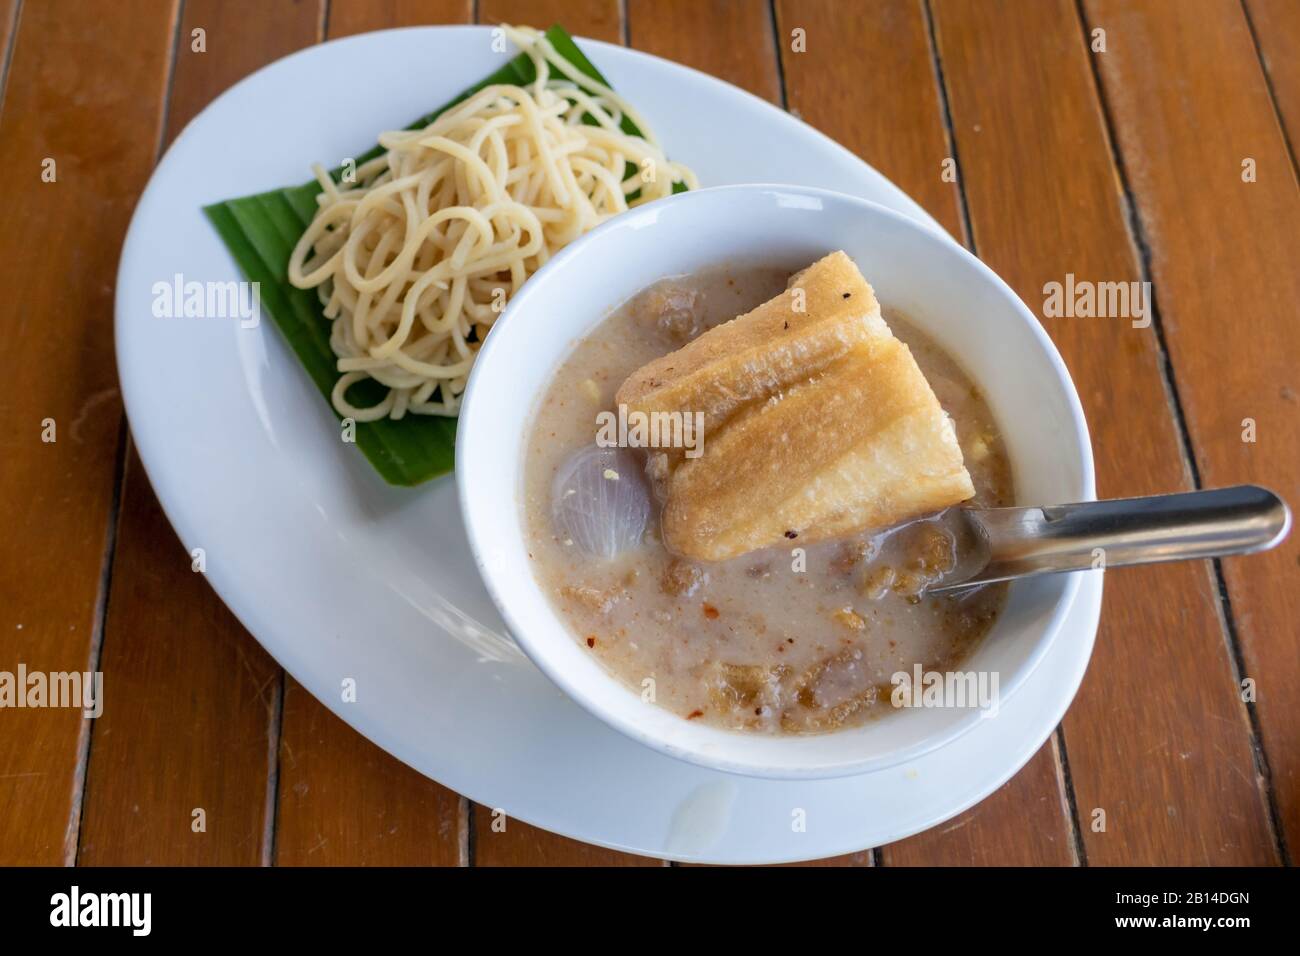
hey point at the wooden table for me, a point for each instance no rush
(1169, 157)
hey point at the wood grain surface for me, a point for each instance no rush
(731, 39)
(1226, 268)
(1157, 739)
(8, 20)
(181, 762)
(905, 135)
(67, 73)
(1107, 140)
(347, 17)
(1275, 28)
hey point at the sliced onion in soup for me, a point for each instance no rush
(600, 501)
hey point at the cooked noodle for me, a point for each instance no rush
(415, 259)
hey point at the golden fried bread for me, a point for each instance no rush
(818, 424)
(828, 311)
(862, 444)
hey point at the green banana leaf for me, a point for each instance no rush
(261, 231)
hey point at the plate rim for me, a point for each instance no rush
(152, 457)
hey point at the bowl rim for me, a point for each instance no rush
(575, 689)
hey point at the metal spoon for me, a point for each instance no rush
(1010, 543)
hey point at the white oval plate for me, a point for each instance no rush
(341, 576)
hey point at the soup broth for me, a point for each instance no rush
(799, 639)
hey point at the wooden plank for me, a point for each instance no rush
(1226, 267)
(8, 22)
(347, 17)
(344, 802)
(864, 858)
(519, 844)
(598, 19)
(238, 37)
(1024, 823)
(500, 841)
(196, 709)
(87, 93)
(1157, 737)
(179, 763)
(887, 109)
(732, 39)
(1276, 28)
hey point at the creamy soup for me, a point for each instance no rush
(799, 639)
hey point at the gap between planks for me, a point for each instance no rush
(85, 740)
(1065, 783)
(1141, 251)
(1272, 89)
(7, 56)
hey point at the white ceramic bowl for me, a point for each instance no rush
(944, 290)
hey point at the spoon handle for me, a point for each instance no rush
(1126, 531)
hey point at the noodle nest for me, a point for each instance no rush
(415, 253)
